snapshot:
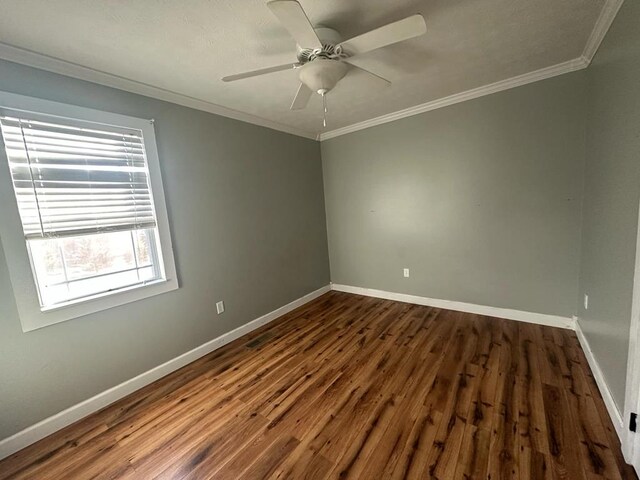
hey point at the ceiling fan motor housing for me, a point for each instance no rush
(329, 39)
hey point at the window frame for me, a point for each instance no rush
(15, 246)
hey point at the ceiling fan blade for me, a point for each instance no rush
(302, 97)
(405, 29)
(380, 82)
(262, 71)
(293, 18)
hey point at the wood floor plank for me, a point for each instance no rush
(532, 425)
(302, 464)
(503, 449)
(354, 387)
(414, 460)
(388, 451)
(563, 446)
(474, 454)
(534, 464)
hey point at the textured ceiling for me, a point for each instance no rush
(186, 47)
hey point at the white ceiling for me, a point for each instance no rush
(186, 47)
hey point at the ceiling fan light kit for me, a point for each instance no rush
(323, 58)
(321, 75)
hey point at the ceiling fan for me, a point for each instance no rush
(323, 57)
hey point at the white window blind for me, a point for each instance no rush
(75, 179)
(89, 228)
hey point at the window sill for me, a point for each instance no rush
(101, 295)
(32, 318)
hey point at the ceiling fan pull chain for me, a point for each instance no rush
(324, 109)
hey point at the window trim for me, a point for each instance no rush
(15, 246)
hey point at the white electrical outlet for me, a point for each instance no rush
(406, 273)
(220, 307)
(586, 301)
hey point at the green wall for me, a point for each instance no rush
(247, 219)
(524, 199)
(612, 195)
(480, 200)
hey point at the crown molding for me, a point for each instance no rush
(69, 69)
(607, 15)
(547, 72)
(600, 29)
(55, 65)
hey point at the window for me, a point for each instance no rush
(89, 212)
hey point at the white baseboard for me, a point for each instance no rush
(509, 314)
(72, 414)
(612, 408)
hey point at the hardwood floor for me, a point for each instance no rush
(355, 387)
